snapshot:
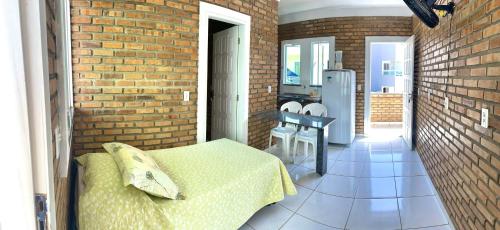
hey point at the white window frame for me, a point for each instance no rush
(306, 63)
(283, 51)
(331, 55)
(63, 131)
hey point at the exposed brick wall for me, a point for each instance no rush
(386, 107)
(461, 157)
(60, 184)
(133, 60)
(350, 33)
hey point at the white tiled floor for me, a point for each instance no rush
(375, 183)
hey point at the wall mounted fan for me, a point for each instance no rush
(424, 10)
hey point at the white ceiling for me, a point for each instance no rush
(301, 10)
(293, 6)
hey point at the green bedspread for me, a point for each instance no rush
(224, 184)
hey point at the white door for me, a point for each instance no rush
(225, 84)
(408, 91)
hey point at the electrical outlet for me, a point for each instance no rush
(484, 118)
(186, 95)
(359, 87)
(446, 102)
(269, 89)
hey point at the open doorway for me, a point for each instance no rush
(221, 103)
(386, 89)
(229, 88)
(389, 87)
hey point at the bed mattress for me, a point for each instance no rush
(224, 183)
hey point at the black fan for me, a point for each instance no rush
(424, 10)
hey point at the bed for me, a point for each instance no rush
(224, 183)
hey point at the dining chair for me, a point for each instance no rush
(309, 135)
(287, 131)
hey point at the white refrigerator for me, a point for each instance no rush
(338, 94)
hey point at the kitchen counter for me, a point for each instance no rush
(303, 99)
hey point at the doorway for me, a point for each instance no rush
(388, 84)
(230, 98)
(222, 80)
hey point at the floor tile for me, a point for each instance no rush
(270, 217)
(365, 170)
(298, 159)
(298, 222)
(376, 188)
(309, 162)
(358, 146)
(380, 146)
(338, 185)
(326, 209)
(379, 156)
(245, 227)
(399, 144)
(354, 156)
(413, 186)
(294, 202)
(408, 169)
(419, 212)
(403, 148)
(442, 227)
(334, 155)
(290, 167)
(377, 214)
(406, 157)
(378, 170)
(343, 168)
(305, 177)
(335, 148)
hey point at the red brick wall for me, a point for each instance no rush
(386, 107)
(60, 184)
(461, 157)
(350, 33)
(133, 60)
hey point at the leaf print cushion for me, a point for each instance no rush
(141, 171)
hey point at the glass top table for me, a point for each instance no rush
(319, 123)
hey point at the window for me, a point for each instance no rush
(386, 68)
(303, 60)
(292, 64)
(320, 59)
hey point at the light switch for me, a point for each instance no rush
(484, 118)
(269, 89)
(446, 102)
(359, 87)
(428, 95)
(186, 95)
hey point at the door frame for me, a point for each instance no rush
(210, 11)
(35, 57)
(368, 41)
